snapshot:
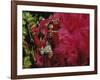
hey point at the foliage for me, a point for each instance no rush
(29, 19)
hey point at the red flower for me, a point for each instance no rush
(73, 21)
(67, 48)
(43, 28)
(38, 59)
(69, 39)
(82, 42)
(74, 39)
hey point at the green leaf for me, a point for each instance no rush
(28, 15)
(27, 62)
(30, 19)
(24, 31)
(27, 51)
(24, 22)
(23, 15)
